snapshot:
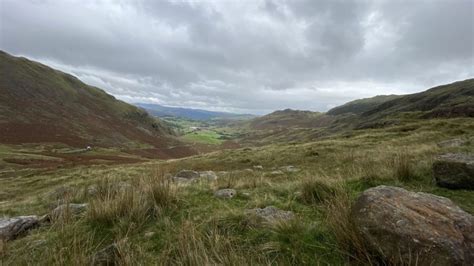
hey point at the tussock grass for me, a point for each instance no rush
(338, 219)
(402, 167)
(316, 190)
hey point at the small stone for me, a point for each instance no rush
(149, 234)
(258, 167)
(225, 193)
(272, 214)
(452, 143)
(290, 169)
(187, 174)
(277, 172)
(71, 209)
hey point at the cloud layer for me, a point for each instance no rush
(247, 56)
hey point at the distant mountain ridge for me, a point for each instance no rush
(189, 113)
(450, 100)
(39, 104)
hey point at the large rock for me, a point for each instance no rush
(418, 227)
(455, 171)
(450, 143)
(11, 228)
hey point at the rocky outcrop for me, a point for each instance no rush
(405, 226)
(208, 175)
(271, 214)
(11, 228)
(225, 193)
(454, 171)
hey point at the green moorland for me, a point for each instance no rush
(192, 227)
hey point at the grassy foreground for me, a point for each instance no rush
(155, 221)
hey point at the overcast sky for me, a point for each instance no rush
(251, 56)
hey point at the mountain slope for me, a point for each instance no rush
(189, 113)
(40, 104)
(361, 105)
(290, 118)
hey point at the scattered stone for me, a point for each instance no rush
(92, 190)
(65, 210)
(272, 214)
(109, 255)
(407, 226)
(225, 193)
(188, 174)
(454, 171)
(209, 175)
(290, 169)
(248, 171)
(451, 143)
(277, 172)
(258, 167)
(11, 228)
(246, 194)
(149, 234)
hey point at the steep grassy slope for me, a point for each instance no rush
(450, 100)
(361, 105)
(447, 101)
(39, 104)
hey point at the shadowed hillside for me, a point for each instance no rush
(361, 105)
(39, 104)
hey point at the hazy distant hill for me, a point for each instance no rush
(39, 104)
(290, 118)
(194, 114)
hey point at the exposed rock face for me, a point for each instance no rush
(258, 167)
(209, 175)
(71, 209)
(11, 228)
(225, 193)
(271, 214)
(403, 225)
(455, 171)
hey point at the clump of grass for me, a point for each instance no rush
(402, 167)
(315, 191)
(160, 190)
(202, 246)
(130, 204)
(338, 219)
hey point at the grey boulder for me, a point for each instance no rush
(454, 171)
(407, 226)
(11, 228)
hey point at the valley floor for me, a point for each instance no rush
(150, 219)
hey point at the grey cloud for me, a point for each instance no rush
(248, 56)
